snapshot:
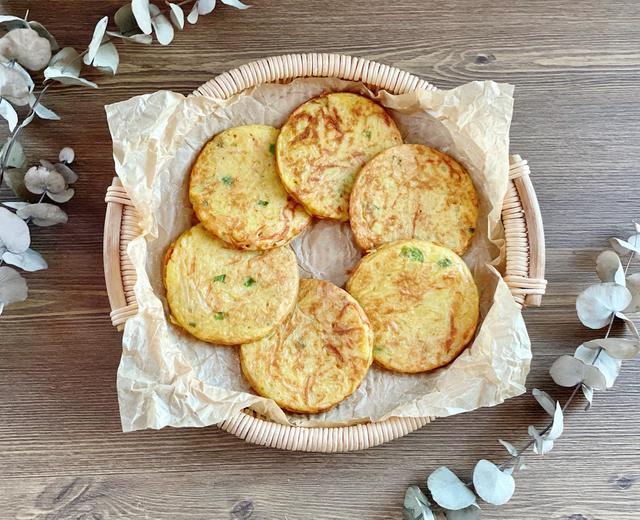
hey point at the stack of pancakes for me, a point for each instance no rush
(411, 303)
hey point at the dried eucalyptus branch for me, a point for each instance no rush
(594, 366)
(28, 46)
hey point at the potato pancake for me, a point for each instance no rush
(323, 145)
(317, 357)
(224, 295)
(237, 194)
(422, 302)
(413, 191)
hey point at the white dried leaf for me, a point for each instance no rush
(468, 513)
(235, 3)
(145, 39)
(67, 155)
(15, 204)
(14, 232)
(609, 267)
(27, 47)
(618, 348)
(416, 505)
(205, 6)
(9, 113)
(545, 400)
(16, 157)
(13, 86)
(587, 391)
(107, 59)
(41, 111)
(608, 366)
(63, 196)
(542, 445)
(13, 287)
(27, 120)
(29, 260)
(39, 179)
(161, 26)
(629, 323)
(9, 22)
(66, 79)
(626, 246)
(193, 14)
(557, 426)
(43, 214)
(66, 62)
(597, 304)
(176, 15)
(96, 40)
(448, 490)
(633, 284)
(569, 371)
(69, 175)
(509, 447)
(491, 484)
(141, 13)
(44, 33)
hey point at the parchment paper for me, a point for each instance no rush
(168, 378)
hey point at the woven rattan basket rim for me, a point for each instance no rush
(524, 239)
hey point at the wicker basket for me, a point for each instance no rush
(520, 216)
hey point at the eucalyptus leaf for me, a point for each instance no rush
(145, 39)
(235, 3)
(28, 260)
(629, 323)
(416, 505)
(8, 113)
(125, 20)
(557, 426)
(66, 79)
(96, 40)
(618, 348)
(609, 267)
(545, 400)
(632, 244)
(509, 447)
(14, 232)
(63, 196)
(609, 367)
(587, 391)
(43, 214)
(491, 484)
(12, 21)
(141, 12)
(193, 14)
(597, 304)
(176, 15)
(40, 179)
(44, 33)
(13, 287)
(468, 513)
(542, 445)
(16, 158)
(205, 6)
(569, 371)
(14, 178)
(161, 25)
(637, 226)
(67, 173)
(65, 63)
(41, 111)
(107, 58)
(633, 284)
(448, 490)
(27, 119)
(67, 155)
(15, 204)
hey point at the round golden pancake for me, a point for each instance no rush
(323, 145)
(317, 357)
(225, 295)
(413, 191)
(422, 302)
(237, 194)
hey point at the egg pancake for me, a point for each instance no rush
(323, 145)
(236, 192)
(317, 357)
(422, 302)
(225, 295)
(413, 191)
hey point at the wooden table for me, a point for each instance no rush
(576, 68)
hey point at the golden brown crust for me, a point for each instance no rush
(237, 194)
(413, 191)
(422, 302)
(325, 142)
(316, 358)
(224, 295)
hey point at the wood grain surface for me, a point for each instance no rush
(576, 67)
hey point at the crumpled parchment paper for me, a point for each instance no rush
(168, 378)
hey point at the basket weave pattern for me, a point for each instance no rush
(524, 239)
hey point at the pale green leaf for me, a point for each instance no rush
(509, 447)
(448, 490)
(544, 400)
(193, 14)
(41, 111)
(557, 426)
(618, 348)
(597, 304)
(13, 287)
(43, 214)
(161, 25)
(141, 12)
(107, 58)
(629, 323)
(468, 513)
(609, 267)
(8, 113)
(587, 391)
(235, 3)
(67, 155)
(96, 40)
(28, 260)
(16, 158)
(633, 284)
(205, 6)
(66, 62)
(145, 39)
(491, 484)
(626, 246)
(416, 505)
(569, 371)
(609, 367)
(14, 232)
(176, 15)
